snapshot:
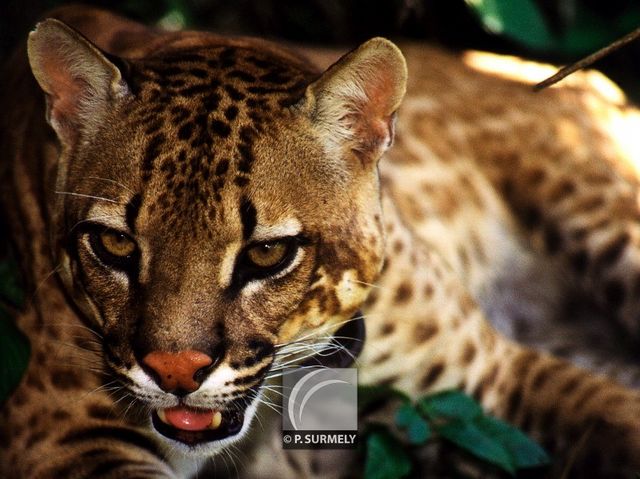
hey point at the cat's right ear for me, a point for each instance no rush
(79, 81)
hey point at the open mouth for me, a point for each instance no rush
(194, 426)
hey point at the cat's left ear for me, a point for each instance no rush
(81, 84)
(353, 104)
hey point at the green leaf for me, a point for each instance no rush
(14, 355)
(370, 395)
(417, 428)
(586, 34)
(519, 20)
(449, 404)
(474, 440)
(385, 457)
(10, 290)
(523, 450)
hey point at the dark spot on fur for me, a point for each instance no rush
(242, 75)
(121, 435)
(384, 357)
(100, 411)
(220, 128)
(35, 437)
(544, 374)
(250, 361)
(289, 101)
(485, 383)
(432, 375)
(195, 90)
(614, 293)
(570, 386)
(424, 332)
(469, 353)
(222, 167)
(186, 131)
(246, 158)
(231, 112)
(560, 191)
(251, 378)
(612, 252)
(198, 73)
(247, 134)
(35, 381)
(241, 181)
(403, 293)
(261, 348)
(259, 62)
(227, 57)
(387, 328)
(234, 93)
(151, 153)
(153, 127)
(548, 420)
(579, 261)
(61, 415)
(275, 76)
(513, 403)
(248, 216)
(581, 400)
(536, 176)
(211, 102)
(552, 239)
(531, 217)
(66, 379)
(590, 204)
(131, 211)
(428, 290)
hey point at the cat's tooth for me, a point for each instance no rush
(216, 420)
(162, 416)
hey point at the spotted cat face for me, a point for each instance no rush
(215, 200)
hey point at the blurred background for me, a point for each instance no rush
(558, 31)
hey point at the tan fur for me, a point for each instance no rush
(487, 186)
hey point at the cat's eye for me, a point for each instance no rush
(267, 255)
(266, 258)
(113, 248)
(117, 244)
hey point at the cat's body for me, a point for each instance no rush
(207, 207)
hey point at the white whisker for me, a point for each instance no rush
(82, 195)
(110, 181)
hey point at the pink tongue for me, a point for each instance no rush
(188, 419)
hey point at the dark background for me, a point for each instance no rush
(558, 31)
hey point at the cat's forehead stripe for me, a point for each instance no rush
(248, 216)
(131, 211)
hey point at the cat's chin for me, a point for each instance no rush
(207, 441)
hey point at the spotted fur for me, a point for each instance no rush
(197, 145)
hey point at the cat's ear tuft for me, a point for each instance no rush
(353, 103)
(79, 81)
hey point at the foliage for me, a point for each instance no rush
(579, 28)
(14, 346)
(451, 416)
(386, 458)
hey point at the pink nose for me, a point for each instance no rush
(176, 371)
